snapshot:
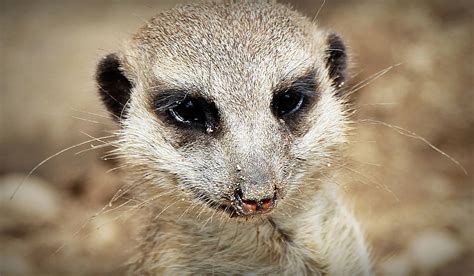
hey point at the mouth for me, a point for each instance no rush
(229, 209)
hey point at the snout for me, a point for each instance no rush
(252, 204)
(255, 191)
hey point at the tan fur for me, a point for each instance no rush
(236, 54)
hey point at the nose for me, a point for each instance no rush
(250, 206)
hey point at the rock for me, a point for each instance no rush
(433, 249)
(14, 265)
(105, 233)
(399, 265)
(35, 202)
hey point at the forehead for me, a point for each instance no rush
(242, 50)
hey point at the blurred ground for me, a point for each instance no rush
(415, 204)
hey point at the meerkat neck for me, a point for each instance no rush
(295, 244)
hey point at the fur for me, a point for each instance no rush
(236, 55)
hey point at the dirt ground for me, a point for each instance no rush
(414, 129)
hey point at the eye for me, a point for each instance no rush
(288, 103)
(186, 111)
(189, 111)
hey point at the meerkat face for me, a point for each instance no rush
(228, 105)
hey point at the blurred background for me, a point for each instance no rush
(415, 204)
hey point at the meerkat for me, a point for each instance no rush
(230, 115)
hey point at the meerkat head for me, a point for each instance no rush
(228, 106)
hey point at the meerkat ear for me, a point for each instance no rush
(336, 59)
(114, 86)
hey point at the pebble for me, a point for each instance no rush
(36, 201)
(14, 265)
(433, 249)
(399, 265)
(104, 233)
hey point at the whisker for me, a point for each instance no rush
(319, 10)
(369, 80)
(90, 113)
(86, 120)
(166, 208)
(94, 147)
(185, 211)
(412, 134)
(116, 168)
(99, 139)
(376, 104)
(46, 160)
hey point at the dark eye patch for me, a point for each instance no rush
(291, 100)
(187, 110)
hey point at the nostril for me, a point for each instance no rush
(249, 205)
(266, 204)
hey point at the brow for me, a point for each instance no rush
(305, 83)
